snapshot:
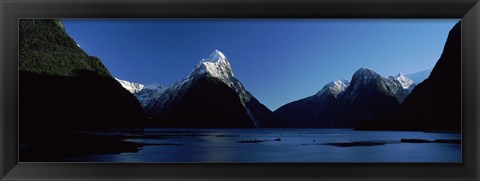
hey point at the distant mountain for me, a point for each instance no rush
(149, 93)
(62, 88)
(143, 93)
(368, 96)
(315, 111)
(419, 77)
(130, 86)
(210, 96)
(434, 104)
(399, 85)
(405, 81)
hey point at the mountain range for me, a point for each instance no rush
(86, 96)
(341, 103)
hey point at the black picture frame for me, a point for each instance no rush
(11, 11)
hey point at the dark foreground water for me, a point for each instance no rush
(286, 145)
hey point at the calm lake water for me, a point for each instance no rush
(286, 145)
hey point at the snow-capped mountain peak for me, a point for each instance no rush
(130, 86)
(149, 93)
(143, 93)
(216, 56)
(404, 80)
(340, 84)
(334, 87)
(216, 65)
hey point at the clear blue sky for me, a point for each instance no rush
(277, 60)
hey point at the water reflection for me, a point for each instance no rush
(295, 145)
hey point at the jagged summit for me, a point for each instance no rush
(334, 87)
(404, 80)
(216, 65)
(216, 56)
(211, 85)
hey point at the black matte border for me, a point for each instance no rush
(468, 10)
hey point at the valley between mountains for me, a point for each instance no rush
(71, 108)
(212, 97)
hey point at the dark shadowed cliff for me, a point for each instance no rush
(434, 104)
(62, 88)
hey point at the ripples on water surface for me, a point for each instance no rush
(286, 145)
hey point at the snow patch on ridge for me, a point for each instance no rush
(144, 93)
(132, 87)
(404, 80)
(334, 87)
(149, 93)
